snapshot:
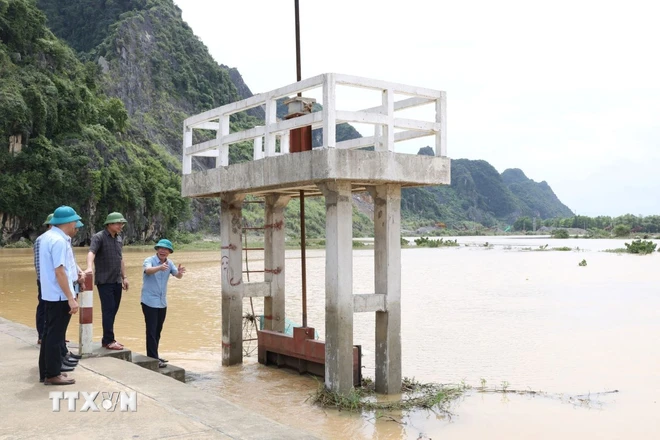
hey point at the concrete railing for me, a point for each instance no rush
(388, 128)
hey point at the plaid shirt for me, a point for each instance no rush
(108, 255)
(35, 249)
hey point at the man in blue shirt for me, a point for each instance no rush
(57, 272)
(157, 270)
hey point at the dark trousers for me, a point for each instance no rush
(153, 319)
(40, 318)
(50, 352)
(110, 295)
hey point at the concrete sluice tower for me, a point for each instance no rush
(334, 171)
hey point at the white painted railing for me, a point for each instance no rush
(388, 130)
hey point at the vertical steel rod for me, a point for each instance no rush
(298, 69)
(302, 193)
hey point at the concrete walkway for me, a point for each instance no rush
(166, 408)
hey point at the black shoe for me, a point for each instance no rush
(161, 364)
(74, 356)
(69, 364)
(66, 368)
(163, 360)
(71, 360)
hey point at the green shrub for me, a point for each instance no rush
(183, 237)
(621, 230)
(641, 247)
(20, 244)
(560, 233)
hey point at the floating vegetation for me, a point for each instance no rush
(585, 400)
(582, 263)
(562, 249)
(429, 242)
(431, 396)
(414, 395)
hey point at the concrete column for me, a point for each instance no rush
(338, 286)
(274, 262)
(231, 217)
(387, 259)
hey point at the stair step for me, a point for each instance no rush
(174, 372)
(145, 361)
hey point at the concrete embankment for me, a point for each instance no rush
(164, 407)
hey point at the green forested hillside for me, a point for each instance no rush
(77, 146)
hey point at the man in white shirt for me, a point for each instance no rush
(57, 273)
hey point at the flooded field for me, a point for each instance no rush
(508, 314)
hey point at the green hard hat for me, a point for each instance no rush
(114, 217)
(48, 219)
(64, 214)
(164, 243)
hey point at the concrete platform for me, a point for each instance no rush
(289, 173)
(165, 408)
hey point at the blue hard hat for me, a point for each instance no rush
(164, 243)
(64, 214)
(79, 224)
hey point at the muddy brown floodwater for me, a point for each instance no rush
(518, 318)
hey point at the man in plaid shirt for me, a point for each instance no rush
(105, 256)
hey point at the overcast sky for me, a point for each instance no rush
(567, 91)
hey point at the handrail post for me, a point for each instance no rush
(187, 143)
(329, 111)
(441, 118)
